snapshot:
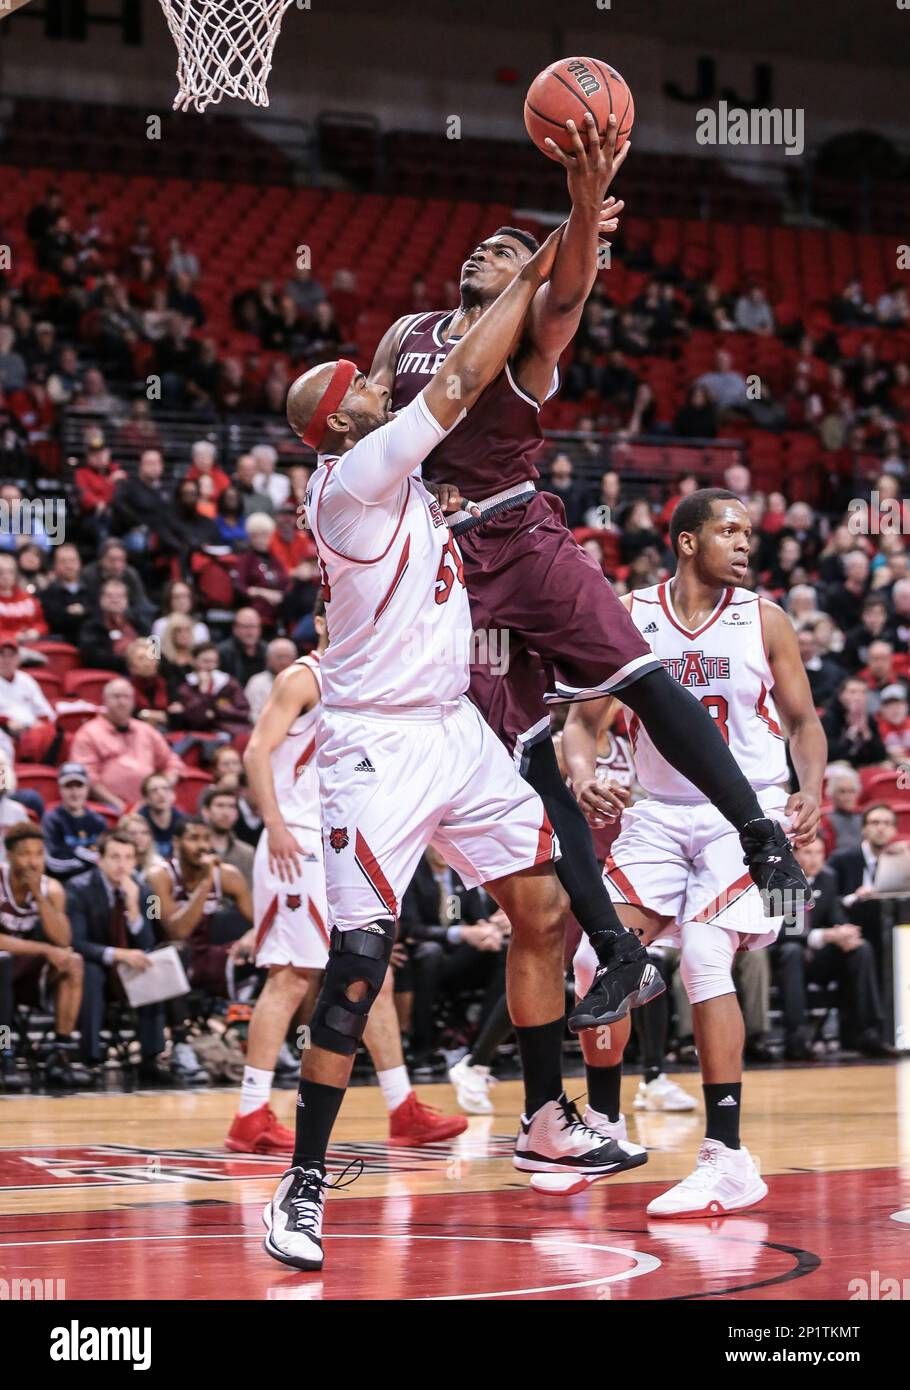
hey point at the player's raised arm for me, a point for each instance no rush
(558, 306)
(485, 349)
(793, 698)
(294, 692)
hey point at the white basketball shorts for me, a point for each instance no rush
(290, 918)
(392, 784)
(686, 862)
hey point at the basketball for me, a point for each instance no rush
(566, 90)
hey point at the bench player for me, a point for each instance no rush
(405, 760)
(675, 871)
(290, 915)
(527, 576)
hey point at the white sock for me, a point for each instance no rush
(600, 1118)
(255, 1089)
(396, 1086)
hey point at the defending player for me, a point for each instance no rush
(292, 939)
(405, 760)
(527, 576)
(675, 870)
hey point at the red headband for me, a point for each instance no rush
(329, 401)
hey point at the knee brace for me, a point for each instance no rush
(706, 961)
(359, 957)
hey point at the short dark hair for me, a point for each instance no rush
(144, 784)
(694, 510)
(113, 837)
(21, 831)
(879, 806)
(201, 647)
(527, 240)
(183, 826)
(212, 794)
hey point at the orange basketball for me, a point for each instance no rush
(566, 90)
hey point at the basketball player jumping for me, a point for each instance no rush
(405, 760)
(675, 870)
(292, 940)
(526, 575)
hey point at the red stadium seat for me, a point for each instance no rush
(61, 657)
(190, 787)
(51, 683)
(882, 785)
(37, 777)
(87, 684)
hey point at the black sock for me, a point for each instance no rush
(578, 870)
(541, 1062)
(684, 733)
(603, 1089)
(496, 1029)
(722, 1107)
(651, 1026)
(317, 1111)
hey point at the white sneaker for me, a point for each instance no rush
(555, 1140)
(566, 1184)
(472, 1087)
(293, 1219)
(662, 1094)
(723, 1180)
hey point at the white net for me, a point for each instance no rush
(224, 48)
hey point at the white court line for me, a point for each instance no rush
(644, 1264)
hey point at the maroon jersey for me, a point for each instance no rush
(498, 442)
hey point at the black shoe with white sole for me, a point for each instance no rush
(627, 981)
(293, 1218)
(770, 860)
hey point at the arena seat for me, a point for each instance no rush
(189, 789)
(37, 777)
(87, 684)
(61, 656)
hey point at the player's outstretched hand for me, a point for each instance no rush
(609, 216)
(283, 852)
(805, 815)
(602, 801)
(593, 163)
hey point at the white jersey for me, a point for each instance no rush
(294, 763)
(396, 603)
(725, 665)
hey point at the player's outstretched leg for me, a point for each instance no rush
(256, 1128)
(357, 965)
(625, 976)
(726, 1177)
(684, 733)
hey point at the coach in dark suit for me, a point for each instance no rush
(820, 945)
(111, 918)
(854, 869)
(446, 942)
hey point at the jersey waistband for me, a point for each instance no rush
(462, 521)
(392, 714)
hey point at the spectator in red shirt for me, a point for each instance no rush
(149, 686)
(97, 477)
(203, 460)
(894, 722)
(261, 580)
(291, 545)
(21, 614)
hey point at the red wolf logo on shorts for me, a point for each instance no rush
(338, 838)
(293, 901)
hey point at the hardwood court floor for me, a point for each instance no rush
(133, 1196)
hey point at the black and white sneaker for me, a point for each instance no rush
(293, 1218)
(626, 982)
(770, 860)
(555, 1140)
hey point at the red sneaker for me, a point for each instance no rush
(259, 1133)
(414, 1123)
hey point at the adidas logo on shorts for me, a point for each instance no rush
(365, 766)
(652, 627)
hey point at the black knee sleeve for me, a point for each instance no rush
(358, 957)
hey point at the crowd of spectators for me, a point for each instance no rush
(185, 585)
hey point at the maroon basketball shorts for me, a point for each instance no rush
(33, 980)
(548, 626)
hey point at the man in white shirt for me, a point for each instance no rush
(265, 479)
(25, 712)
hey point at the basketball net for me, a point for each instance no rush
(224, 48)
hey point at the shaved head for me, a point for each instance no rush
(306, 393)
